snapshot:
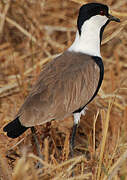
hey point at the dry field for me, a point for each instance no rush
(33, 32)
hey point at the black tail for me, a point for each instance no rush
(14, 128)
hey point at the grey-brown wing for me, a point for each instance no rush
(65, 85)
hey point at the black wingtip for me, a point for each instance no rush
(14, 129)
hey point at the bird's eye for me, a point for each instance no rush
(102, 13)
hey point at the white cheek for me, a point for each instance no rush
(89, 40)
(100, 20)
(94, 23)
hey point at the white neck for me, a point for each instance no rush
(89, 40)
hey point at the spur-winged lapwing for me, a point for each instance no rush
(70, 82)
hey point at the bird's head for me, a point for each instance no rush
(95, 15)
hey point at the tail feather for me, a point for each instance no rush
(14, 128)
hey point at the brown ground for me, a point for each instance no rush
(31, 34)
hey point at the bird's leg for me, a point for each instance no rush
(77, 116)
(73, 139)
(39, 165)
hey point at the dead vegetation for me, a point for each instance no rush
(31, 34)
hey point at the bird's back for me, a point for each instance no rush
(65, 84)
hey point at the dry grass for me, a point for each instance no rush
(31, 34)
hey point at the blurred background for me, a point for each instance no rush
(31, 34)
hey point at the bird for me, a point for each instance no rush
(68, 83)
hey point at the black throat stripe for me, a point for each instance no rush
(99, 62)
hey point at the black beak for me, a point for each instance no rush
(113, 18)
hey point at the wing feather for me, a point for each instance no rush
(65, 84)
